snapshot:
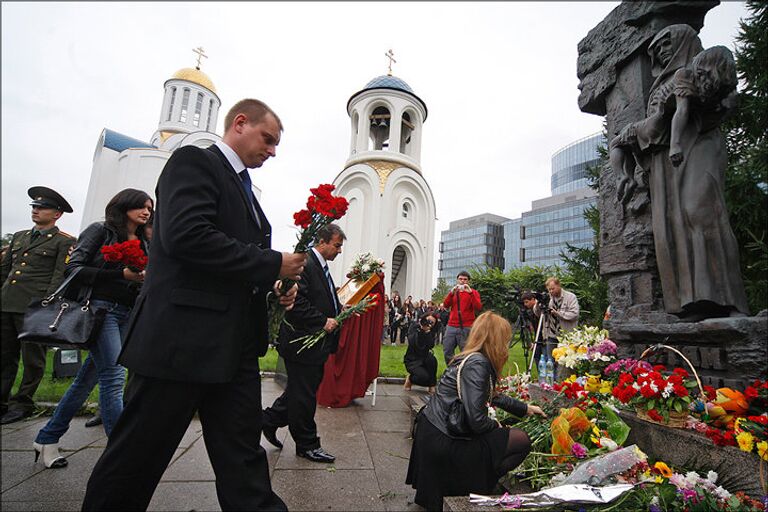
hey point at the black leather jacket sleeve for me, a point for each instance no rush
(509, 404)
(87, 256)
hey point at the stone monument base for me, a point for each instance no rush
(726, 352)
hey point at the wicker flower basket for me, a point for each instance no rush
(676, 419)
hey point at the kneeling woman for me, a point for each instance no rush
(471, 460)
(419, 361)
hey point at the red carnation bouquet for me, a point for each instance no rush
(128, 253)
(322, 209)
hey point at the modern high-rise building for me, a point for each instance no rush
(540, 235)
(474, 242)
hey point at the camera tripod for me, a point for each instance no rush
(537, 339)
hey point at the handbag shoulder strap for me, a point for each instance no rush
(64, 284)
(458, 309)
(458, 374)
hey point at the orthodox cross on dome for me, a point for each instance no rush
(391, 56)
(200, 54)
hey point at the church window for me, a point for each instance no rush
(171, 104)
(406, 210)
(210, 113)
(198, 109)
(184, 106)
(380, 123)
(406, 133)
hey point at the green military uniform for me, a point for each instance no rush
(32, 267)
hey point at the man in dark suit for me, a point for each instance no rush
(316, 307)
(200, 325)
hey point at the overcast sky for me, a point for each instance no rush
(499, 80)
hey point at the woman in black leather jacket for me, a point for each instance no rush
(445, 464)
(114, 290)
(419, 361)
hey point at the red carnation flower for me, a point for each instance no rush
(647, 392)
(302, 218)
(710, 392)
(659, 368)
(680, 390)
(750, 393)
(655, 416)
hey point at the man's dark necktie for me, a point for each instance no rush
(331, 287)
(245, 178)
(35, 235)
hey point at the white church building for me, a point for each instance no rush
(188, 116)
(391, 207)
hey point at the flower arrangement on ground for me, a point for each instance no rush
(129, 253)
(322, 209)
(752, 435)
(364, 266)
(655, 394)
(585, 349)
(613, 371)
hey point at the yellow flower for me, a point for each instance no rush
(572, 378)
(658, 479)
(605, 387)
(663, 469)
(558, 353)
(592, 384)
(762, 449)
(582, 350)
(596, 430)
(746, 441)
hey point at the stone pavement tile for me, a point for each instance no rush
(57, 485)
(322, 489)
(385, 421)
(41, 506)
(17, 466)
(75, 438)
(383, 403)
(192, 464)
(387, 390)
(390, 452)
(177, 496)
(340, 434)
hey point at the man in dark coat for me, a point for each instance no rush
(316, 307)
(32, 267)
(200, 325)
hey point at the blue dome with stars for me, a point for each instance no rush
(388, 82)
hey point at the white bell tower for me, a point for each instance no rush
(392, 210)
(190, 104)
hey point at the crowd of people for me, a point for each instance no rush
(192, 327)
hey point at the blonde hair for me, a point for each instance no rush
(552, 280)
(490, 336)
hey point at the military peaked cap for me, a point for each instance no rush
(45, 197)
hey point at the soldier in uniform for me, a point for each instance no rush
(32, 267)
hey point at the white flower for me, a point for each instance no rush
(712, 476)
(722, 493)
(366, 267)
(654, 501)
(606, 442)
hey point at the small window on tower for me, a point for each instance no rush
(198, 110)
(210, 112)
(171, 104)
(406, 210)
(184, 106)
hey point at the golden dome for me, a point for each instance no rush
(196, 76)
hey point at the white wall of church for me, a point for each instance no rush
(113, 172)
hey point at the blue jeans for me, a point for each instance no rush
(100, 366)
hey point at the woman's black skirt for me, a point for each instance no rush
(443, 466)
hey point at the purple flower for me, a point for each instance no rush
(689, 495)
(626, 365)
(654, 508)
(579, 450)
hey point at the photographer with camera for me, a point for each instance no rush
(561, 314)
(464, 303)
(419, 361)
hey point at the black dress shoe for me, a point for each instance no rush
(316, 455)
(14, 415)
(270, 434)
(96, 420)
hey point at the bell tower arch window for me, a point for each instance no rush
(406, 133)
(380, 123)
(184, 105)
(171, 104)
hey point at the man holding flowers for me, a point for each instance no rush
(200, 325)
(316, 307)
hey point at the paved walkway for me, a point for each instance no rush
(371, 445)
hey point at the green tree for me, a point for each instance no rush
(440, 291)
(746, 181)
(7, 239)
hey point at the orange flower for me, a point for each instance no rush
(663, 469)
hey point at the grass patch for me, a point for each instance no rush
(390, 365)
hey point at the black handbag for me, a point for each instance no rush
(61, 322)
(456, 423)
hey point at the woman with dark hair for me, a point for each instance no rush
(445, 462)
(114, 288)
(419, 361)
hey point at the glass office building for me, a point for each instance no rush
(474, 242)
(541, 234)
